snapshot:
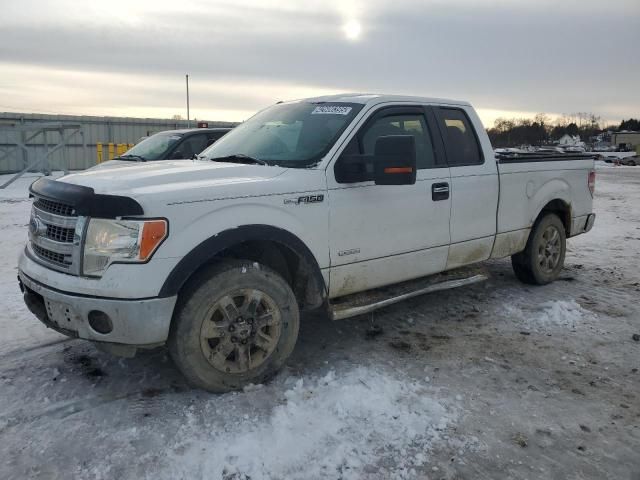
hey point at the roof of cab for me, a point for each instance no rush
(189, 130)
(375, 98)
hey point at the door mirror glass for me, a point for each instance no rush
(354, 168)
(395, 160)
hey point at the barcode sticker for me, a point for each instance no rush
(330, 110)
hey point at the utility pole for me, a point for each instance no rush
(188, 119)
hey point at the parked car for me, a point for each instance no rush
(630, 161)
(173, 144)
(341, 203)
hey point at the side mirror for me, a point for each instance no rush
(395, 160)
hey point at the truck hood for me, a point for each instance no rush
(135, 179)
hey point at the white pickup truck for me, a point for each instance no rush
(346, 203)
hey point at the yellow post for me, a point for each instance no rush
(111, 151)
(121, 148)
(99, 152)
(130, 146)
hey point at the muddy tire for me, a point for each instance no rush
(543, 258)
(236, 324)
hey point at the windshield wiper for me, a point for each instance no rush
(239, 158)
(130, 157)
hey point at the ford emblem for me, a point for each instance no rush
(37, 227)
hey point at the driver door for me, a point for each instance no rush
(383, 234)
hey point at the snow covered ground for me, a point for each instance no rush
(497, 380)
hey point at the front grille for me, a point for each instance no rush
(50, 256)
(56, 208)
(52, 231)
(60, 234)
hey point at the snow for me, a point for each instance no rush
(20, 329)
(563, 313)
(485, 364)
(616, 154)
(328, 427)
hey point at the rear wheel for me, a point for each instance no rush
(543, 258)
(237, 325)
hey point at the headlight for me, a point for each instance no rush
(110, 241)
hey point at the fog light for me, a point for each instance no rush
(100, 322)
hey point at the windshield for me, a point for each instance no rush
(291, 134)
(153, 148)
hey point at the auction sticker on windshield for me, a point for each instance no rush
(331, 110)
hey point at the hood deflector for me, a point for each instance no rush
(84, 200)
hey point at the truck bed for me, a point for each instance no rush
(526, 157)
(528, 181)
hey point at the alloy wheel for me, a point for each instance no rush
(240, 331)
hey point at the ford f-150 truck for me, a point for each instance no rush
(345, 203)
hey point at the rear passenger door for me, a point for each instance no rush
(474, 186)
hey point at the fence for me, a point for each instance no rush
(20, 148)
(110, 150)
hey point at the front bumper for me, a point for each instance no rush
(142, 322)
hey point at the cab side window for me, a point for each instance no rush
(410, 124)
(193, 145)
(460, 141)
(213, 137)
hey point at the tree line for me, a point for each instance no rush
(542, 131)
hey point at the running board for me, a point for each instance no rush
(366, 302)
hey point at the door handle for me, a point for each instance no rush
(439, 191)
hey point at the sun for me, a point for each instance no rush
(352, 29)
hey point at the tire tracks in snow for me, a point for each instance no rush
(67, 408)
(21, 353)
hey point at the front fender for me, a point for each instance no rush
(210, 247)
(192, 224)
(201, 230)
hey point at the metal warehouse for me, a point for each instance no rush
(626, 138)
(40, 142)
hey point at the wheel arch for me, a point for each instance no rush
(279, 249)
(562, 209)
(554, 196)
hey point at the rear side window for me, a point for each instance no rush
(460, 141)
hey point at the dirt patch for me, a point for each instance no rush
(89, 369)
(400, 345)
(373, 331)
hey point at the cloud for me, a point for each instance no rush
(500, 55)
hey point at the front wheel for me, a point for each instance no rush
(543, 258)
(237, 324)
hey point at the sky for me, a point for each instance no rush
(509, 58)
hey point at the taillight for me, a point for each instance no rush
(592, 181)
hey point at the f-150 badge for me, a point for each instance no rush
(305, 199)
